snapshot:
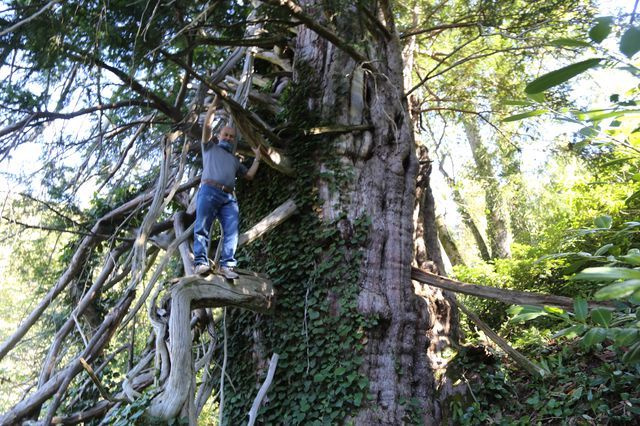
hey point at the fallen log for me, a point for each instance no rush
(512, 297)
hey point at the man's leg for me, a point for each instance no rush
(229, 216)
(205, 214)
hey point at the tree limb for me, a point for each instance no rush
(49, 115)
(513, 297)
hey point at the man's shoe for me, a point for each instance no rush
(228, 272)
(201, 268)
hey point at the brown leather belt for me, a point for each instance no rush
(218, 185)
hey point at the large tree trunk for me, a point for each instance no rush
(497, 215)
(383, 163)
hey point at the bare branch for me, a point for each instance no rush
(49, 116)
(29, 19)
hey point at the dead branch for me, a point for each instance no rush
(273, 219)
(78, 259)
(253, 413)
(520, 359)
(249, 292)
(513, 297)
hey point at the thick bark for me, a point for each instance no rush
(497, 215)
(384, 167)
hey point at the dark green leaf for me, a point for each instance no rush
(602, 250)
(601, 29)
(603, 222)
(632, 257)
(633, 354)
(593, 336)
(630, 42)
(635, 297)
(606, 273)
(580, 309)
(626, 336)
(570, 332)
(589, 132)
(601, 316)
(523, 115)
(618, 290)
(556, 77)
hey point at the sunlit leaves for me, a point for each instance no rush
(560, 76)
(607, 273)
(524, 115)
(618, 290)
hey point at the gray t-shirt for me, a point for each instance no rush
(220, 165)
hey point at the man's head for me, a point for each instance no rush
(227, 134)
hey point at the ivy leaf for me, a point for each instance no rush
(630, 42)
(618, 290)
(607, 273)
(357, 399)
(528, 114)
(601, 316)
(601, 29)
(603, 222)
(580, 309)
(556, 77)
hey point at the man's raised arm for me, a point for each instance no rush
(254, 166)
(208, 120)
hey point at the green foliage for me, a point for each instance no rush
(560, 76)
(580, 389)
(617, 325)
(601, 29)
(630, 42)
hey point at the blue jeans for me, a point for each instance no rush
(214, 203)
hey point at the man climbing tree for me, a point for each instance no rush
(216, 197)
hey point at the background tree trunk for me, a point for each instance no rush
(497, 216)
